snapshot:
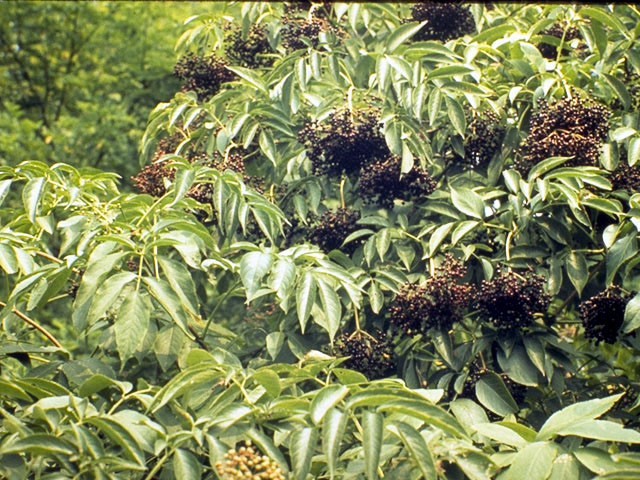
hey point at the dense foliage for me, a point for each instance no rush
(369, 240)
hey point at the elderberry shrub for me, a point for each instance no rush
(381, 182)
(346, 143)
(297, 29)
(483, 140)
(203, 75)
(602, 315)
(249, 52)
(572, 127)
(151, 179)
(246, 462)
(557, 30)
(333, 228)
(509, 301)
(372, 356)
(444, 20)
(440, 302)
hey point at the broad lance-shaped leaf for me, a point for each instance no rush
(132, 324)
(632, 315)
(180, 280)
(575, 414)
(305, 298)
(31, 196)
(372, 423)
(494, 395)
(417, 448)
(185, 465)
(533, 462)
(468, 202)
(161, 291)
(331, 306)
(428, 413)
(254, 266)
(119, 434)
(401, 34)
(333, 428)
(182, 184)
(185, 380)
(603, 430)
(622, 250)
(301, 448)
(325, 399)
(283, 276)
(40, 444)
(107, 295)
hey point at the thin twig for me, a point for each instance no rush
(40, 328)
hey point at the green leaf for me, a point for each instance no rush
(376, 297)
(534, 462)
(164, 295)
(438, 236)
(331, 306)
(468, 202)
(383, 241)
(119, 434)
(11, 390)
(268, 147)
(327, 398)
(283, 276)
(305, 298)
(449, 71)
(274, 342)
(494, 395)
(417, 448)
(456, 115)
(107, 295)
(40, 444)
(621, 133)
(622, 250)
(8, 260)
(603, 430)
(99, 382)
(183, 382)
(634, 151)
(5, 185)
(185, 465)
(621, 91)
(254, 266)
(181, 282)
(372, 423)
(575, 414)
(565, 466)
(392, 133)
(182, 184)
(269, 380)
(31, 196)
(302, 448)
(333, 428)
(577, 270)
(401, 34)
(604, 17)
(501, 434)
(518, 366)
(251, 77)
(632, 315)
(433, 107)
(428, 413)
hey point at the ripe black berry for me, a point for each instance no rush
(444, 20)
(381, 182)
(371, 356)
(203, 75)
(346, 143)
(484, 138)
(441, 301)
(626, 177)
(333, 228)
(557, 30)
(509, 300)
(249, 52)
(571, 127)
(295, 29)
(602, 315)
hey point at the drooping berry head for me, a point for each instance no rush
(440, 302)
(444, 20)
(246, 462)
(346, 143)
(602, 315)
(483, 139)
(558, 30)
(203, 75)
(373, 356)
(572, 127)
(381, 182)
(509, 301)
(333, 228)
(249, 52)
(297, 29)
(626, 177)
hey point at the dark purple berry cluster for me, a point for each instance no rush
(333, 227)
(346, 143)
(444, 20)
(572, 127)
(372, 356)
(483, 139)
(203, 75)
(151, 179)
(557, 30)
(602, 315)
(249, 52)
(626, 177)
(440, 302)
(297, 29)
(381, 182)
(510, 300)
